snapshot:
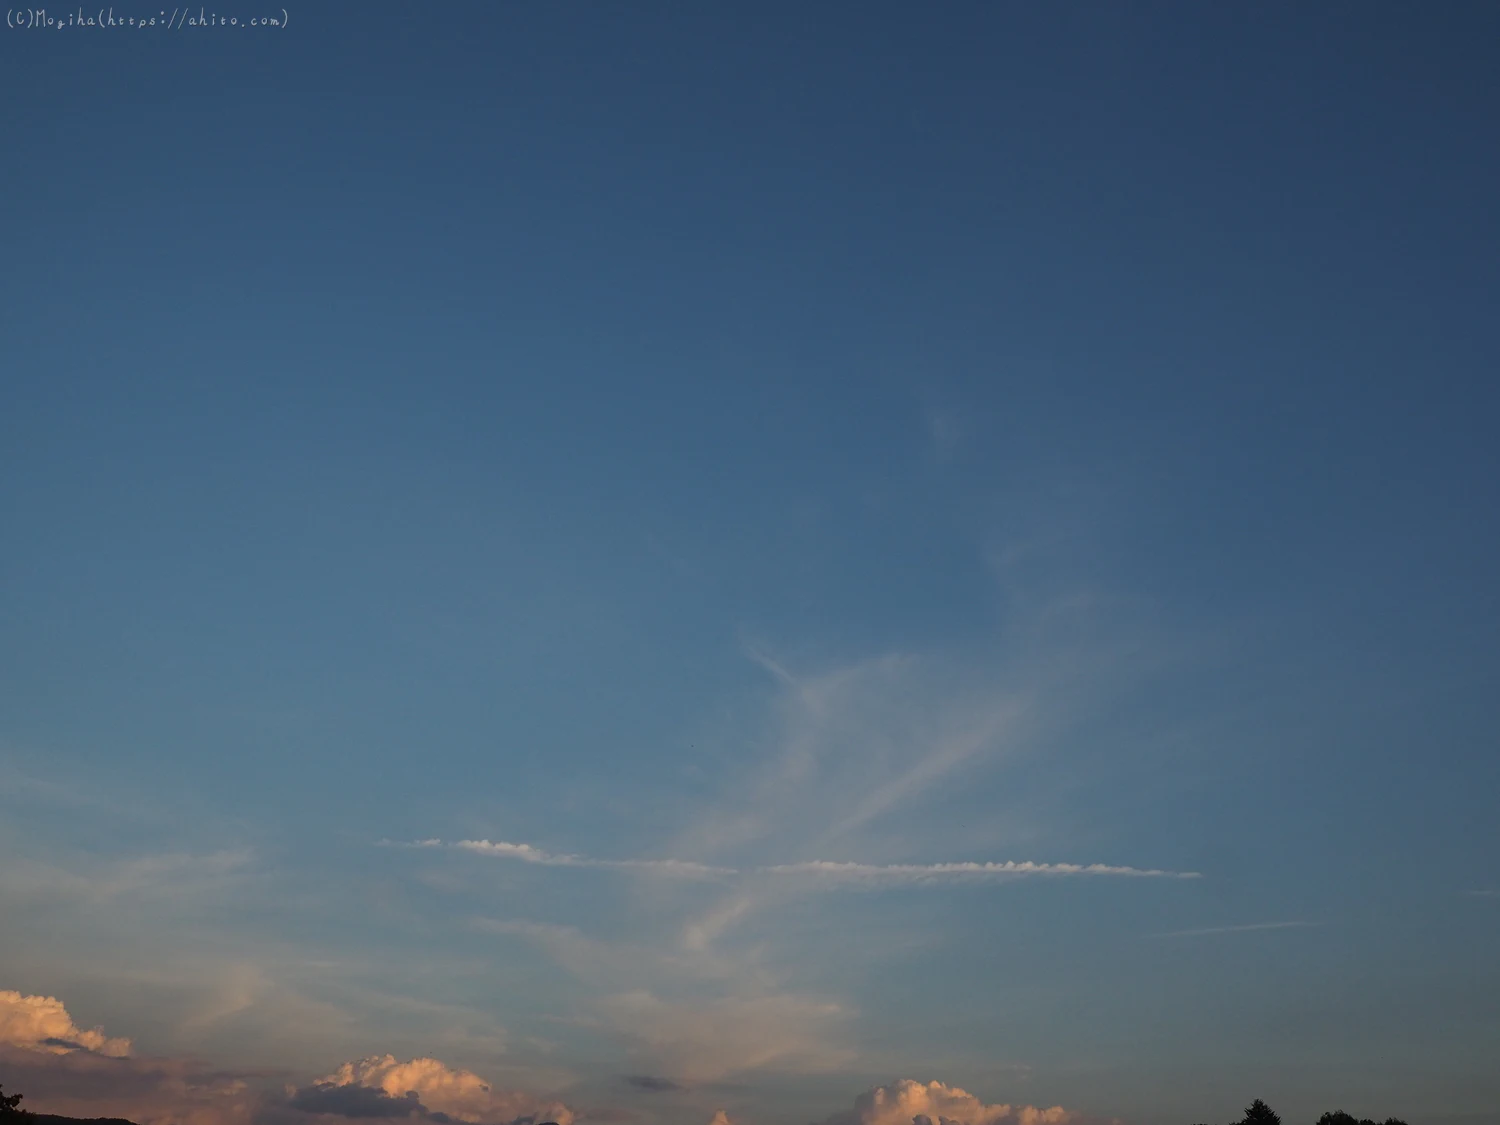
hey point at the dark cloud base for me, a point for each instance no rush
(652, 1082)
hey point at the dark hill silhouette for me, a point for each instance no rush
(11, 1113)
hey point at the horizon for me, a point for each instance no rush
(750, 564)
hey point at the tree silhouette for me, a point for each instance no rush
(1259, 1113)
(8, 1110)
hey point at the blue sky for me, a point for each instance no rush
(754, 437)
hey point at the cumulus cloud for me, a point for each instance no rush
(720, 1118)
(382, 1086)
(42, 1023)
(908, 1102)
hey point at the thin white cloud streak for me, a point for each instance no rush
(920, 873)
(529, 854)
(818, 870)
(1207, 930)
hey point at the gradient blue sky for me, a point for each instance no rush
(753, 435)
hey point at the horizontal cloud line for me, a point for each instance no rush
(968, 871)
(1239, 929)
(529, 854)
(826, 871)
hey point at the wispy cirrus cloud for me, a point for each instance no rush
(850, 745)
(708, 1039)
(834, 792)
(689, 1011)
(170, 876)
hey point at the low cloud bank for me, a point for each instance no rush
(64, 1069)
(148, 1091)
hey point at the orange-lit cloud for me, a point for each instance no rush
(422, 1085)
(64, 1069)
(42, 1023)
(908, 1102)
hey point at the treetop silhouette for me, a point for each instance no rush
(1259, 1113)
(8, 1110)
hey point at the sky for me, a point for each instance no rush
(755, 564)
